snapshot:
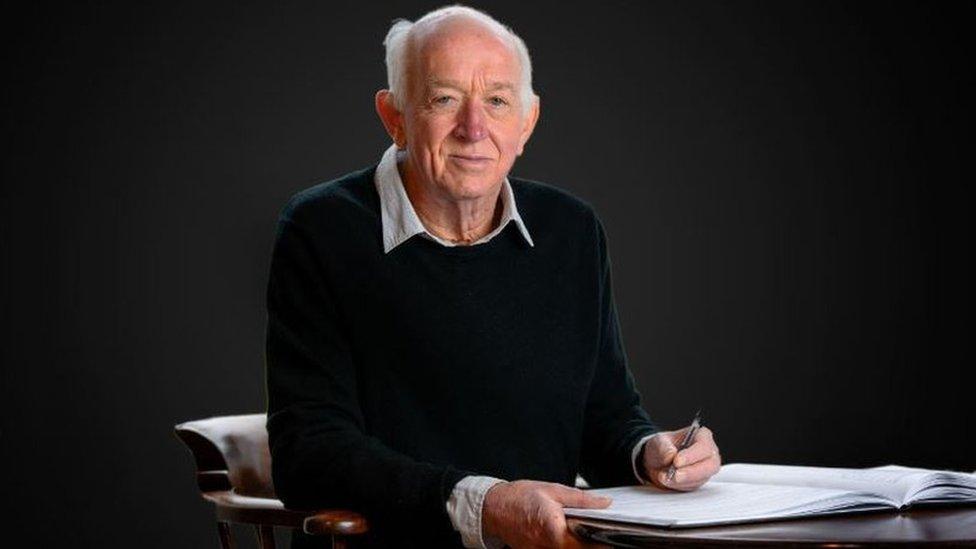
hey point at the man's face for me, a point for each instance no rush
(463, 118)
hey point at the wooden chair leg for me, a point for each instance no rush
(265, 536)
(226, 537)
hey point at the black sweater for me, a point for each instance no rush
(392, 376)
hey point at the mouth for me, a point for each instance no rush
(471, 158)
(471, 162)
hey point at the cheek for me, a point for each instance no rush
(439, 139)
(430, 132)
(507, 146)
(428, 141)
(507, 140)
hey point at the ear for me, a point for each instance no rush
(530, 119)
(391, 117)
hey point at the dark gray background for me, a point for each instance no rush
(782, 186)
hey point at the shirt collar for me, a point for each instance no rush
(400, 220)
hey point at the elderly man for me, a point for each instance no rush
(443, 349)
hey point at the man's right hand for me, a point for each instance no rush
(528, 513)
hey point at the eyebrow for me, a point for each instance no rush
(438, 83)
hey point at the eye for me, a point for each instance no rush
(442, 100)
(497, 101)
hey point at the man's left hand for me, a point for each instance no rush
(693, 466)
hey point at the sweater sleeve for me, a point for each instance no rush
(321, 455)
(614, 420)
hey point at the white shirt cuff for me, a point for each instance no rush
(464, 507)
(633, 457)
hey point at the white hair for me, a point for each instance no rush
(397, 51)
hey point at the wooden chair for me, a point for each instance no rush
(234, 473)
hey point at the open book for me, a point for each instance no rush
(744, 492)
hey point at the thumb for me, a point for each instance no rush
(574, 497)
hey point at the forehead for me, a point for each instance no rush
(460, 50)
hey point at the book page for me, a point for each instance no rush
(722, 503)
(938, 486)
(895, 485)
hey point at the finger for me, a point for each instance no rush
(659, 451)
(570, 540)
(574, 497)
(693, 476)
(555, 526)
(702, 449)
(566, 538)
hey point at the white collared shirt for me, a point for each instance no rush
(400, 222)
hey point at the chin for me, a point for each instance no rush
(468, 187)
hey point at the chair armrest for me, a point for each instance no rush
(335, 521)
(233, 507)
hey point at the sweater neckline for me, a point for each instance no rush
(500, 240)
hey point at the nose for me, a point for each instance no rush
(470, 122)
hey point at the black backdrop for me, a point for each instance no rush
(782, 185)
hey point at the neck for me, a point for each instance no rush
(458, 221)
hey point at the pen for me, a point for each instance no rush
(686, 442)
